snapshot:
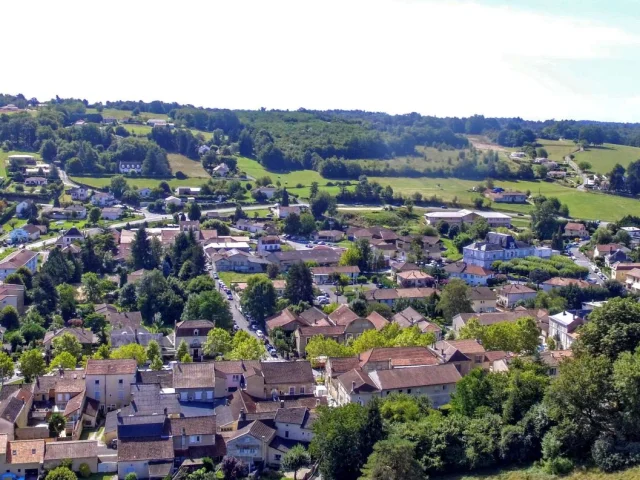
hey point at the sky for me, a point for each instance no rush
(536, 59)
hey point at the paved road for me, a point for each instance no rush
(582, 261)
(65, 179)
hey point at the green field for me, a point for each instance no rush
(138, 130)
(5, 155)
(558, 149)
(534, 473)
(121, 114)
(604, 158)
(191, 168)
(103, 182)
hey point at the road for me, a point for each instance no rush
(65, 179)
(582, 261)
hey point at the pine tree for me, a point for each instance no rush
(285, 198)
(141, 250)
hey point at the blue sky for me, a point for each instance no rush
(535, 59)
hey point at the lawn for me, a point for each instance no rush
(5, 155)
(67, 224)
(234, 277)
(103, 182)
(138, 130)
(121, 114)
(533, 473)
(604, 158)
(18, 223)
(558, 149)
(191, 168)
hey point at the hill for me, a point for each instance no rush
(604, 157)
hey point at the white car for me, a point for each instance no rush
(259, 334)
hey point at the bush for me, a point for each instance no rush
(299, 185)
(180, 175)
(558, 466)
(362, 279)
(85, 471)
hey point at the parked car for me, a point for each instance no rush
(324, 301)
(259, 334)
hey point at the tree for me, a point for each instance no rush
(323, 202)
(321, 346)
(584, 166)
(246, 347)
(45, 295)
(57, 424)
(455, 299)
(153, 350)
(307, 224)
(94, 215)
(633, 177)
(232, 468)
(182, 350)
(285, 198)
(7, 367)
(91, 284)
(299, 287)
(218, 342)
(296, 458)
(194, 212)
(208, 305)
(103, 352)
(156, 364)
(392, 459)
(63, 360)
(273, 270)
(95, 322)
(128, 298)
(616, 178)
(67, 295)
(259, 298)
(132, 350)
(48, 150)
(9, 317)
(292, 224)
(239, 213)
(32, 364)
(131, 476)
(141, 252)
(67, 343)
(60, 473)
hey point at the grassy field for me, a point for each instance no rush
(5, 155)
(558, 149)
(191, 168)
(19, 222)
(120, 114)
(103, 182)
(534, 473)
(429, 157)
(138, 130)
(604, 158)
(234, 277)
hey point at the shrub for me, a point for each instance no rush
(558, 466)
(299, 185)
(85, 471)
(362, 279)
(180, 175)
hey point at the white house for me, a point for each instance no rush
(266, 191)
(283, 212)
(23, 207)
(130, 166)
(562, 327)
(111, 213)
(20, 258)
(102, 199)
(172, 201)
(500, 246)
(221, 170)
(79, 193)
(35, 181)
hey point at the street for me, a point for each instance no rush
(582, 261)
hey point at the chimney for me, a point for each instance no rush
(243, 416)
(353, 387)
(281, 403)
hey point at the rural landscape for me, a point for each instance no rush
(320, 240)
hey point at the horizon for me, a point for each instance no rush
(446, 59)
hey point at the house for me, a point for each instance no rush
(615, 257)
(172, 201)
(436, 382)
(575, 230)
(490, 318)
(294, 424)
(553, 358)
(24, 208)
(235, 260)
(19, 258)
(147, 457)
(109, 382)
(221, 170)
(322, 275)
(500, 246)
(506, 197)
(414, 279)
(268, 192)
(193, 437)
(511, 294)
(72, 212)
(632, 280)
(619, 270)
(562, 328)
(13, 295)
(389, 296)
(156, 122)
(409, 317)
(197, 382)
(465, 355)
(451, 218)
(22, 458)
(15, 408)
(102, 199)
(35, 181)
(471, 274)
(286, 320)
(483, 299)
(373, 233)
(111, 213)
(33, 231)
(188, 190)
(559, 282)
(130, 166)
(556, 174)
(79, 452)
(280, 287)
(268, 243)
(283, 212)
(79, 193)
(250, 226)
(329, 235)
(120, 320)
(70, 236)
(273, 380)
(250, 443)
(85, 336)
(194, 334)
(602, 250)
(322, 257)
(129, 334)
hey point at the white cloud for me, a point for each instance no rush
(427, 56)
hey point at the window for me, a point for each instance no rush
(444, 387)
(408, 390)
(399, 391)
(276, 457)
(286, 434)
(194, 439)
(120, 382)
(292, 390)
(301, 390)
(14, 452)
(33, 451)
(196, 332)
(97, 382)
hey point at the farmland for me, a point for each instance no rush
(604, 158)
(122, 114)
(191, 168)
